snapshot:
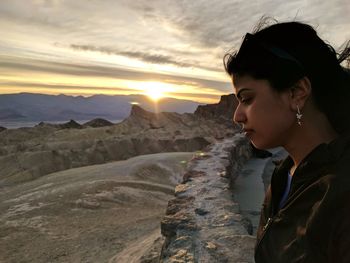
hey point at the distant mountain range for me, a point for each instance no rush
(40, 107)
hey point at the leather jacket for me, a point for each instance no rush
(313, 226)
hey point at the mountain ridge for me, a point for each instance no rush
(44, 107)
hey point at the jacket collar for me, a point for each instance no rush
(319, 156)
(319, 159)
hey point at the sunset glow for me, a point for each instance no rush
(58, 47)
(156, 90)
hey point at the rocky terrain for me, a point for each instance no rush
(77, 193)
(29, 153)
(216, 209)
(100, 213)
(203, 223)
(222, 111)
(98, 192)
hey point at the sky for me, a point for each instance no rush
(168, 48)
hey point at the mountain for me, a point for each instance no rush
(8, 114)
(29, 153)
(222, 111)
(40, 107)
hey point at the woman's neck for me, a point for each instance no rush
(308, 137)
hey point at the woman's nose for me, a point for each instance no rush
(239, 115)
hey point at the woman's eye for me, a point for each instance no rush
(246, 100)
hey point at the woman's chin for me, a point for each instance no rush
(260, 145)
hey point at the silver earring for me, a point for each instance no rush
(299, 116)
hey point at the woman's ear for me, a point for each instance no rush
(300, 92)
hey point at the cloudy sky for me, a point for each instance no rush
(86, 47)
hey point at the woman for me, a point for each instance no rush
(294, 93)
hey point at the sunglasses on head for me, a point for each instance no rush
(250, 42)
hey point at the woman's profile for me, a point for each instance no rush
(293, 92)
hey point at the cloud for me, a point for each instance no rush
(187, 34)
(207, 24)
(19, 65)
(155, 58)
(196, 95)
(72, 89)
(146, 57)
(219, 23)
(55, 87)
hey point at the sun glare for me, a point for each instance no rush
(155, 94)
(155, 90)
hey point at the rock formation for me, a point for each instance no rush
(203, 223)
(29, 153)
(72, 124)
(222, 111)
(97, 123)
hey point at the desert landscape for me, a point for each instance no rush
(117, 143)
(89, 214)
(97, 193)
(29, 153)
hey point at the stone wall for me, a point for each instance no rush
(203, 223)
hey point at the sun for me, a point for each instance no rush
(155, 94)
(155, 90)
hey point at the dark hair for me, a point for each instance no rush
(285, 52)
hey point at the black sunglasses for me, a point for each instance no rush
(250, 42)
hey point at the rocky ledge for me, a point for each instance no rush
(203, 223)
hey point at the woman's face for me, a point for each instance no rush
(266, 115)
